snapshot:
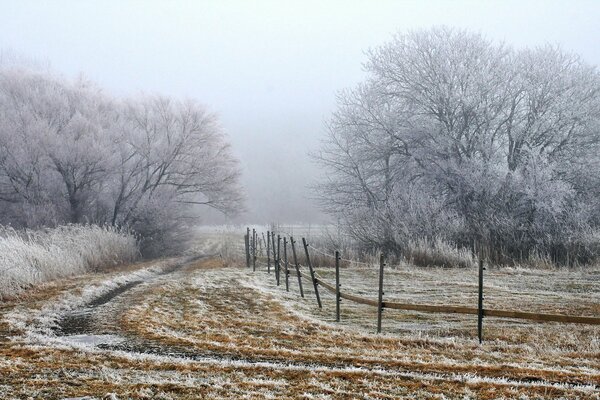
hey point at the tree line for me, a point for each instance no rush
(455, 138)
(70, 153)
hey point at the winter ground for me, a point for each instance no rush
(209, 328)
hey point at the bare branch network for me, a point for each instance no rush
(70, 154)
(455, 139)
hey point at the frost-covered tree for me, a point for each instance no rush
(170, 153)
(70, 153)
(455, 137)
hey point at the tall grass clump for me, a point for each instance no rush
(29, 257)
(438, 253)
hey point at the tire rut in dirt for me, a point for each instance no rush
(83, 320)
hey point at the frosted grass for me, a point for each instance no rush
(28, 257)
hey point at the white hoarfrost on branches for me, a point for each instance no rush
(69, 153)
(455, 138)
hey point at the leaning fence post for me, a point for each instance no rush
(247, 247)
(278, 261)
(380, 300)
(312, 272)
(269, 252)
(337, 286)
(285, 261)
(480, 301)
(293, 242)
(253, 249)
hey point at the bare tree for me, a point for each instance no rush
(174, 153)
(498, 143)
(73, 154)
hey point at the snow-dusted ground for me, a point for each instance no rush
(205, 330)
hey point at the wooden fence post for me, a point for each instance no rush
(312, 272)
(253, 250)
(278, 262)
(247, 247)
(269, 252)
(480, 301)
(274, 253)
(293, 242)
(380, 300)
(337, 286)
(285, 261)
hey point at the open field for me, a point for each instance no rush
(204, 328)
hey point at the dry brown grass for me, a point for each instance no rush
(237, 321)
(261, 342)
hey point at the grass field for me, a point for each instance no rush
(209, 328)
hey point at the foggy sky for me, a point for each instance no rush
(270, 69)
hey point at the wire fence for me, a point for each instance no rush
(271, 250)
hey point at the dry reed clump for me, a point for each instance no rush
(31, 257)
(438, 253)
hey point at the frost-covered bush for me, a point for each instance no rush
(31, 257)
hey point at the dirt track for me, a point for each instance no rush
(207, 331)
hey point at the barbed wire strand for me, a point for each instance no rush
(324, 253)
(303, 270)
(341, 258)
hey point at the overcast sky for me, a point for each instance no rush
(270, 69)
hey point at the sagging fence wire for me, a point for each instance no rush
(326, 254)
(317, 281)
(323, 253)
